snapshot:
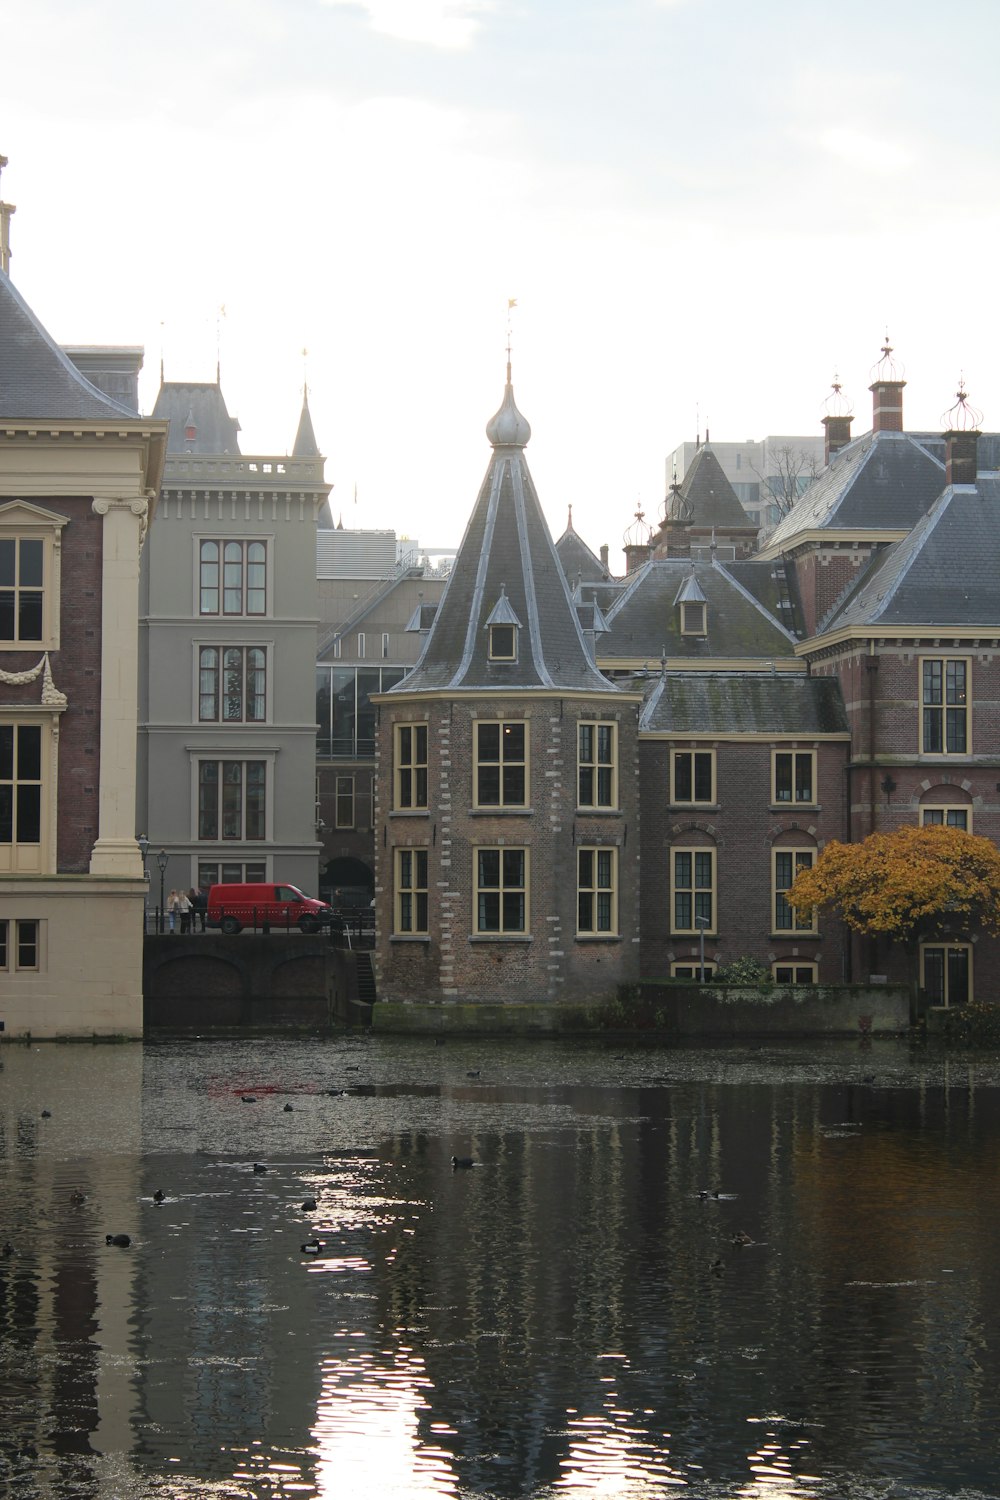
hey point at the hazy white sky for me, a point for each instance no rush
(701, 206)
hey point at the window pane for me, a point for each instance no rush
(29, 752)
(29, 814)
(703, 778)
(803, 778)
(489, 741)
(958, 976)
(682, 777)
(31, 564)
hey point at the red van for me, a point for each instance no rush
(233, 907)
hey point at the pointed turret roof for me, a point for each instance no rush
(506, 554)
(305, 445)
(710, 498)
(198, 416)
(37, 380)
(579, 562)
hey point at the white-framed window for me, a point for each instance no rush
(794, 972)
(596, 892)
(20, 946)
(27, 796)
(232, 577)
(361, 645)
(692, 890)
(503, 643)
(385, 645)
(344, 810)
(501, 892)
(232, 800)
(793, 776)
(693, 618)
(411, 767)
(785, 865)
(940, 814)
(30, 554)
(597, 764)
(230, 872)
(411, 892)
(692, 776)
(686, 969)
(501, 762)
(232, 684)
(945, 696)
(946, 972)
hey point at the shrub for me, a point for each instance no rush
(745, 970)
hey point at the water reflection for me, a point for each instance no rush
(731, 1273)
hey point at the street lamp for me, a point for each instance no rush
(701, 923)
(143, 843)
(162, 859)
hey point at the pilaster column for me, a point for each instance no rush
(116, 851)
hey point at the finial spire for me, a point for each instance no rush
(7, 210)
(511, 304)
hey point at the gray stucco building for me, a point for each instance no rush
(227, 739)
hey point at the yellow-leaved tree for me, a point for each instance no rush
(908, 883)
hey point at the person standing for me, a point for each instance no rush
(173, 910)
(184, 910)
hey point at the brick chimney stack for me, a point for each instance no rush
(961, 440)
(887, 393)
(837, 420)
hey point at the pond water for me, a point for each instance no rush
(568, 1317)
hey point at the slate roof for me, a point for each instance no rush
(645, 623)
(704, 703)
(709, 498)
(577, 559)
(305, 445)
(507, 546)
(199, 404)
(885, 481)
(37, 380)
(945, 572)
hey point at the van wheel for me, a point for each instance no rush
(309, 924)
(230, 925)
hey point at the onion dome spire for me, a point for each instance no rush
(962, 417)
(507, 428)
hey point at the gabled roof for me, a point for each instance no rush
(577, 559)
(884, 481)
(645, 624)
(946, 572)
(507, 549)
(37, 380)
(199, 405)
(708, 497)
(696, 703)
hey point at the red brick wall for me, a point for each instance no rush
(743, 828)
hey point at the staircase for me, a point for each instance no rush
(366, 978)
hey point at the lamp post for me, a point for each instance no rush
(143, 843)
(701, 923)
(162, 860)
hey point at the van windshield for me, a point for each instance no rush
(287, 893)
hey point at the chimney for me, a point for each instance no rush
(887, 393)
(838, 435)
(961, 440)
(604, 557)
(6, 211)
(637, 543)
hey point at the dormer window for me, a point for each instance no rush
(693, 619)
(692, 605)
(503, 643)
(503, 625)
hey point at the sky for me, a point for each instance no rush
(704, 209)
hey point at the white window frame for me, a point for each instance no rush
(695, 889)
(20, 857)
(690, 968)
(692, 801)
(962, 712)
(501, 890)
(947, 811)
(794, 756)
(597, 879)
(22, 521)
(410, 787)
(245, 758)
(946, 949)
(219, 670)
(597, 765)
(799, 923)
(503, 763)
(344, 797)
(245, 543)
(798, 967)
(694, 617)
(411, 887)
